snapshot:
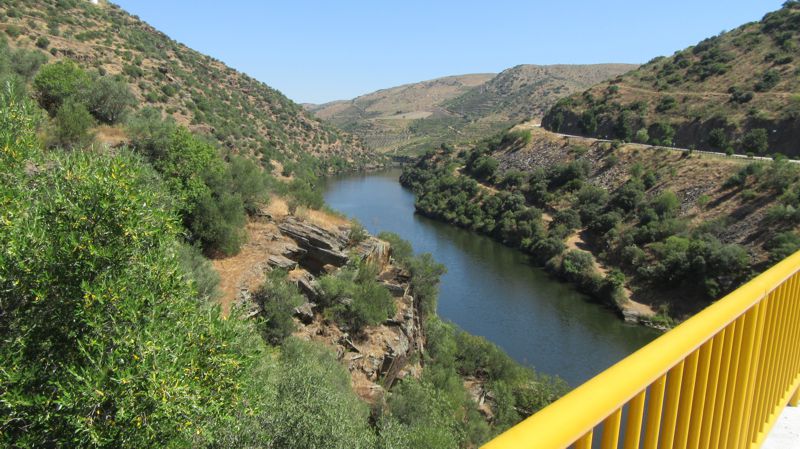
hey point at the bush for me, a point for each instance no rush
(73, 123)
(756, 140)
(110, 99)
(277, 299)
(782, 246)
(314, 406)
(59, 81)
(353, 299)
(199, 272)
(97, 317)
(768, 80)
(43, 42)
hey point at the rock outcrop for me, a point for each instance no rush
(322, 247)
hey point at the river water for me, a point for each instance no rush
(492, 290)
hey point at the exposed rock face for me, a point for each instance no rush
(380, 354)
(282, 262)
(322, 247)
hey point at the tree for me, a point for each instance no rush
(57, 82)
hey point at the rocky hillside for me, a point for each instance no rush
(459, 108)
(735, 92)
(199, 91)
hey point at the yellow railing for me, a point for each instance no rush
(719, 380)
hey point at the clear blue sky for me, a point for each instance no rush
(318, 51)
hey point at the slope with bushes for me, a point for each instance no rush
(678, 229)
(198, 91)
(734, 92)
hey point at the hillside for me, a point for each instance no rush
(459, 108)
(735, 92)
(527, 91)
(241, 113)
(626, 223)
(385, 119)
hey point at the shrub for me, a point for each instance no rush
(43, 42)
(277, 299)
(57, 82)
(768, 80)
(357, 233)
(718, 139)
(756, 141)
(110, 99)
(314, 406)
(354, 299)
(93, 300)
(666, 103)
(199, 272)
(73, 123)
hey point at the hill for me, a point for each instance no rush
(527, 91)
(735, 92)
(241, 113)
(459, 108)
(665, 228)
(386, 119)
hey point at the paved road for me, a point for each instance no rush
(684, 150)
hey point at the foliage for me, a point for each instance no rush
(354, 299)
(109, 99)
(755, 140)
(277, 299)
(99, 324)
(73, 124)
(57, 82)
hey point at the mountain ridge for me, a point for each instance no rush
(410, 117)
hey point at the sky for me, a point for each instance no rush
(319, 51)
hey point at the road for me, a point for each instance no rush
(654, 147)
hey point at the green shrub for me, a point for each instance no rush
(110, 99)
(768, 80)
(315, 407)
(354, 299)
(756, 140)
(97, 316)
(73, 124)
(13, 31)
(199, 272)
(277, 299)
(57, 82)
(43, 42)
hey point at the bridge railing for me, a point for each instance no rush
(718, 380)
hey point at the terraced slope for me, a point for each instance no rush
(735, 92)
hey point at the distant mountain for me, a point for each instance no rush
(459, 108)
(738, 91)
(527, 91)
(201, 92)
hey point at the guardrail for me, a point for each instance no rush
(718, 380)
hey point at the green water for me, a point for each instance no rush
(493, 290)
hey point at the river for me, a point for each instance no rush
(493, 290)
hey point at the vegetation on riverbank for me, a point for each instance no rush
(626, 211)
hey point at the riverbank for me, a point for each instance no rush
(493, 290)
